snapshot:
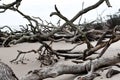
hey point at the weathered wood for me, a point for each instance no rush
(112, 72)
(60, 68)
(6, 72)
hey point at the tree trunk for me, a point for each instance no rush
(6, 72)
(70, 68)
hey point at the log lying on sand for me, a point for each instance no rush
(6, 72)
(72, 68)
(59, 68)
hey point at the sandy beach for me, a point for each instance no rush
(9, 53)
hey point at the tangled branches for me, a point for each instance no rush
(37, 31)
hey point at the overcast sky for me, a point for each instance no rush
(42, 9)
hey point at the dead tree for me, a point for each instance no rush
(60, 68)
(6, 72)
(46, 53)
(88, 67)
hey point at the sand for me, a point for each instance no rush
(9, 53)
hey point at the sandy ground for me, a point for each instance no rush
(7, 54)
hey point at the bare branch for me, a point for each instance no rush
(108, 3)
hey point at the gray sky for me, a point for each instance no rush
(42, 9)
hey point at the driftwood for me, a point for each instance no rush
(64, 68)
(40, 32)
(60, 68)
(6, 72)
(49, 31)
(7, 6)
(112, 72)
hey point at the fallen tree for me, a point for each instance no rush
(89, 66)
(38, 31)
(81, 68)
(6, 73)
